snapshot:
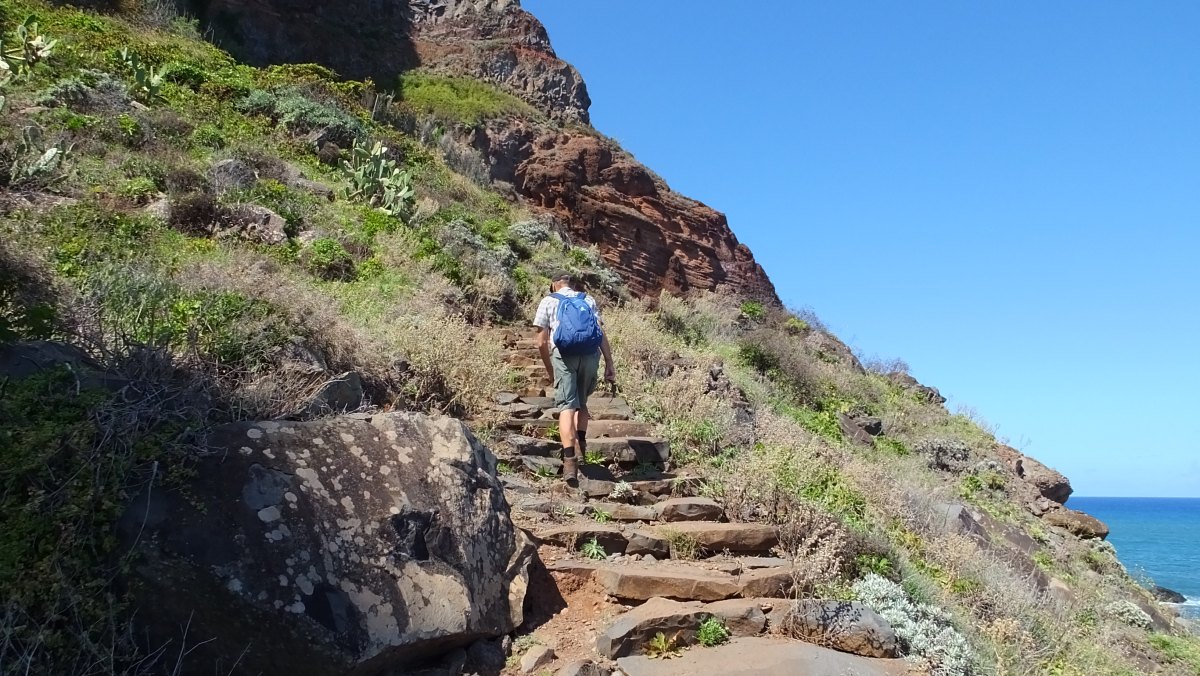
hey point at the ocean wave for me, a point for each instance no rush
(1188, 601)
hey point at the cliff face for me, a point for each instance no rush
(657, 239)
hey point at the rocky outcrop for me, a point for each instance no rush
(655, 238)
(1049, 483)
(501, 43)
(355, 543)
(1167, 595)
(911, 384)
(1084, 526)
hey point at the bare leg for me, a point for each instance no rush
(566, 427)
(582, 417)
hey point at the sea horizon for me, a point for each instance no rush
(1155, 538)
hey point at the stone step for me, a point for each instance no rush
(521, 415)
(645, 492)
(517, 359)
(538, 401)
(763, 656)
(678, 580)
(688, 509)
(631, 632)
(631, 450)
(621, 450)
(619, 511)
(619, 428)
(573, 536)
(714, 538)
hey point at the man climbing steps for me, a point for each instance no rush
(570, 341)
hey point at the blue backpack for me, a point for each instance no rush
(578, 332)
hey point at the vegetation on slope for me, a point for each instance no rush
(121, 237)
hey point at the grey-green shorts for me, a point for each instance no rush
(574, 378)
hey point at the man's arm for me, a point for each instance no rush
(543, 346)
(610, 367)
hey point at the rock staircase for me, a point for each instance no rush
(663, 558)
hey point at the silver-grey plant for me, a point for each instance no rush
(924, 630)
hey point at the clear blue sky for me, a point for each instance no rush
(1004, 194)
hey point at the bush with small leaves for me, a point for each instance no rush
(328, 259)
(753, 310)
(712, 632)
(795, 326)
(923, 630)
(621, 490)
(300, 114)
(207, 136)
(1129, 613)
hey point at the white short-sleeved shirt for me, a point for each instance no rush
(547, 312)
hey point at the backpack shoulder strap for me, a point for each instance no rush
(558, 296)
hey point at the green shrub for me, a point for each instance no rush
(1181, 650)
(592, 549)
(328, 259)
(139, 190)
(867, 564)
(795, 326)
(712, 632)
(758, 358)
(207, 136)
(831, 491)
(59, 499)
(822, 423)
(891, 446)
(295, 206)
(27, 308)
(186, 74)
(753, 310)
(300, 114)
(966, 586)
(459, 100)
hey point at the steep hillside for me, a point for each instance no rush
(269, 403)
(656, 239)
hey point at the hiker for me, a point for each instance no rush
(571, 340)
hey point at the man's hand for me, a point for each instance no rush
(610, 369)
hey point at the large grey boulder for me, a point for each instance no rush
(338, 395)
(351, 544)
(24, 359)
(847, 626)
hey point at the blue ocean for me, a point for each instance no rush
(1157, 538)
